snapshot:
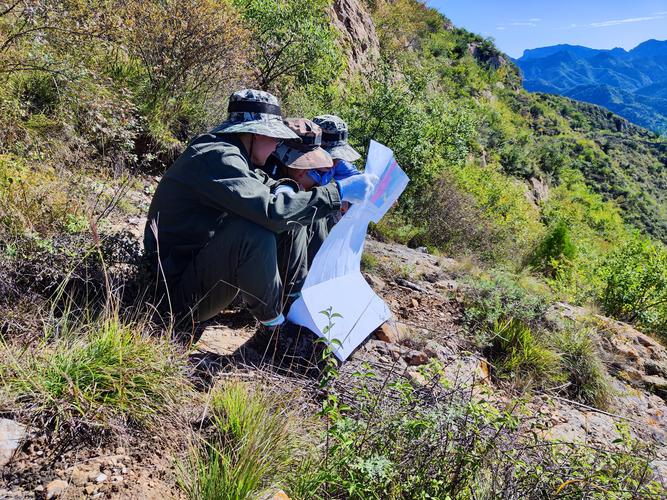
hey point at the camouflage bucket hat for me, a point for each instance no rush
(254, 112)
(334, 138)
(305, 154)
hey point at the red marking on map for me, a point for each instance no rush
(382, 190)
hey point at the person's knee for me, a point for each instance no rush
(251, 231)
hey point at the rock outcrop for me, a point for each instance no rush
(631, 356)
(361, 41)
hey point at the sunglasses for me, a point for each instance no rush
(321, 178)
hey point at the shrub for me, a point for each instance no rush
(496, 295)
(394, 226)
(578, 218)
(556, 251)
(635, 284)
(249, 444)
(369, 262)
(295, 43)
(95, 373)
(33, 200)
(189, 55)
(426, 131)
(454, 223)
(392, 440)
(503, 202)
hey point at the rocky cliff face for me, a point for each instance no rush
(361, 41)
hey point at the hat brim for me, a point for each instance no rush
(275, 129)
(343, 152)
(304, 160)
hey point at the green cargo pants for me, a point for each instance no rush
(243, 257)
(318, 232)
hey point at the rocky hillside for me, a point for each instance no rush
(429, 346)
(524, 268)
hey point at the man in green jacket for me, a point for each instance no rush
(217, 227)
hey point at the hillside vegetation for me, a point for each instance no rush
(540, 198)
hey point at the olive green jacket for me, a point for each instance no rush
(213, 180)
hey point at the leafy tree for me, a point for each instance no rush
(555, 250)
(635, 277)
(426, 132)
(294, 41)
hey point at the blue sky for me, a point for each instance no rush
(517, 25)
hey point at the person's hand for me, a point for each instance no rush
(357, 188)
(344, 207)
(284, 188)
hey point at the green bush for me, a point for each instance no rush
(180, 63)
(34, 200)
(497, 295)
(635, 284)
(502, 201)
(425, 130)
(391, 440)
(584, 228)
(455, 224)
(295, 43)
(556, 252)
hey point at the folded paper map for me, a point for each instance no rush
(334, 280)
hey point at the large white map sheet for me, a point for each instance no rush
(334, 280)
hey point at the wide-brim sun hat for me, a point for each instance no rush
(307, 153)
(255, 112)
(335, 138)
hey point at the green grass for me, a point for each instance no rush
(369, 262)
(250, 444)
(100, 372)
(587, 375)
(535, 358)
(519, 357)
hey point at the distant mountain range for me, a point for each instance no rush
(631, 83)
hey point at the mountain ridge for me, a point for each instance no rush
(637, 78)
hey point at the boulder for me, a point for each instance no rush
(377, 284)
(467, 370)
(12, 435)
(659, 468)
(416, 358)
(391, 332)
(55, 488)
(416, 378)
(275, 495)
(630, 354)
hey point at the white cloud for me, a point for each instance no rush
(523, 23)
(617, 22)
(535, 19)
(501, 28)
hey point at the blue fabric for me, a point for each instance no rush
(356, 188)
(277, 321)
(321, 178)
(343, 170)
